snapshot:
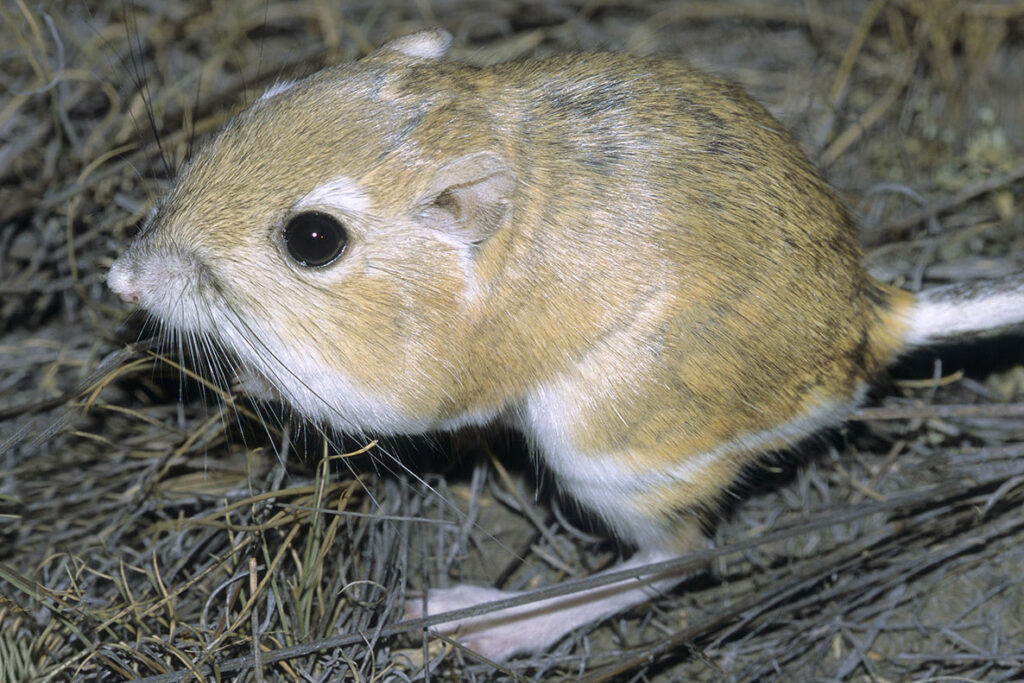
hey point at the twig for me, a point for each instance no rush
(938, 411)
(964, 195)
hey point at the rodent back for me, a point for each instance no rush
(672, 216)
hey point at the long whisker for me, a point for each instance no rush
(391, 463)
(141, 78)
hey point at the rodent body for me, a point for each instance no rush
(627, 259)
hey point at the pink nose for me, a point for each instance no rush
(121, 282)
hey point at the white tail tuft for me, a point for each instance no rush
(945, 313)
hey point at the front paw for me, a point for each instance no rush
(254, 385)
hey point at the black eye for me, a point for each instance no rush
(314, 239)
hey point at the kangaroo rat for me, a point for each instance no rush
(626, 259)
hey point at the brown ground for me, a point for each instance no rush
(141, 534)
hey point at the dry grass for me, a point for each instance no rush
(149, 528)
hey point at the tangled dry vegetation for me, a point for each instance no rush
(153, 527)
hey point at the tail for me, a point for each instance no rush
(965, 309)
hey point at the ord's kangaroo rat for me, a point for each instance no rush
(625, 258)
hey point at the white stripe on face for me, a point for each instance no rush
(341, 193)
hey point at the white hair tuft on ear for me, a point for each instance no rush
(431, 43)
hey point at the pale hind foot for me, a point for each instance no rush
(536, 626)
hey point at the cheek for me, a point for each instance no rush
(403, 321)
(391, 332)
(354, 327)
(395, 317)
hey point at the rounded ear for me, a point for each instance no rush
(468, 198)
(431, 43)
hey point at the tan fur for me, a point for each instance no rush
(657, 219)
(626, 242)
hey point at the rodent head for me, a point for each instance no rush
(326, 235)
